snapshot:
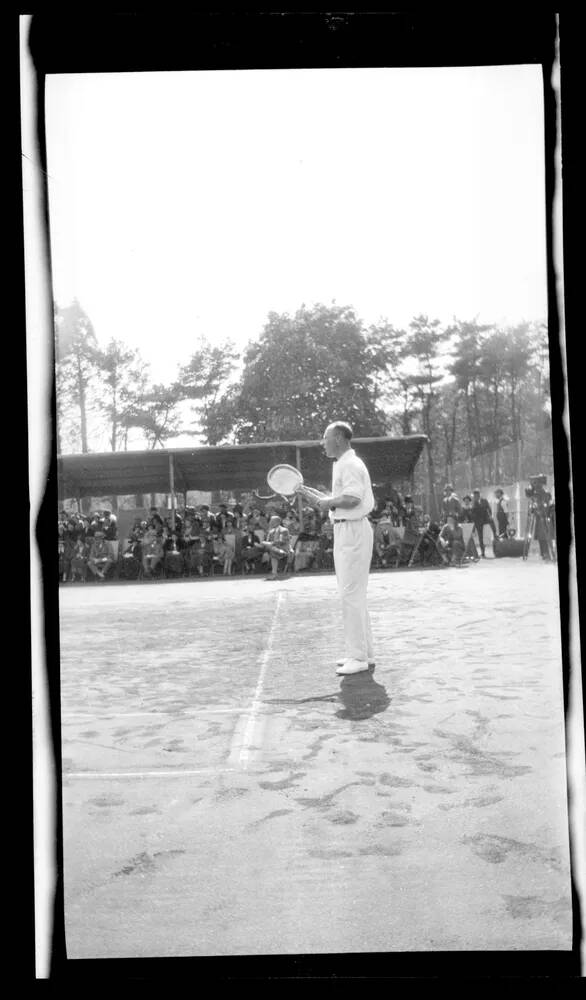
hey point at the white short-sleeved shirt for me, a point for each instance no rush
(351, 478)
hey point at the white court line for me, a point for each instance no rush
(146, 774)
(240, 749)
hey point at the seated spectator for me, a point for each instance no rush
(229, 540)
(410, 514)
(260, 522)
(110, 529)
(387, 541)
(99, 560)
(152, 550)
(79, 560)
(173, 559)
(219, 552)
(193, 547)
(61, 532)
(326, 545)
(278, 543)
(68, 553)
(251, 551)
(391, 510)
(208, 551)
(451, 540)
(307, 546)
(430, 551)
(131, 562)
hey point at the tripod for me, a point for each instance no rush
(532, 518)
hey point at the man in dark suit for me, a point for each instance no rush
(481, 515)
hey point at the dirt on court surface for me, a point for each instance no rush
(226, 793)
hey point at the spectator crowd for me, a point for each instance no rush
(253, 538)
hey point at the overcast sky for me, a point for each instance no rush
(195, 203)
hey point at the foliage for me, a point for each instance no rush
(303, 372)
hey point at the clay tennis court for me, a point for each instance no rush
(226, 793)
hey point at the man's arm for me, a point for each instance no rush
(342, 502)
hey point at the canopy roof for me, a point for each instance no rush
(226, 467)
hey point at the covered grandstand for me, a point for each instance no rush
(390, 460)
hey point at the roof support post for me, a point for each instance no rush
(299, 497)
(172, 488)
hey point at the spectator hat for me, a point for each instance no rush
(476, 491)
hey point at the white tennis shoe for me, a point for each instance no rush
(340, 663)
(352, 667)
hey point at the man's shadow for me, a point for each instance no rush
(361, 696)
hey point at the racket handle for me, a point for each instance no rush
(310, 493)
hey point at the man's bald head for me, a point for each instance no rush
(337, 437)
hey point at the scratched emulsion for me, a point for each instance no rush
(418, 806)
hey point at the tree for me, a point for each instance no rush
(155, 413)
(420, 352)
(516, 365)
(467, 353)
(202, 379)
(304, 371)
(123, 380)
(76, 364)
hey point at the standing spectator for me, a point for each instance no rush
(502, 513)
(481, 515)
(229, 539)
(450, 503)
(467, 517)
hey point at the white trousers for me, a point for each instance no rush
(353, 544)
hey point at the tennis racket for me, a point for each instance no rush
(287, 481)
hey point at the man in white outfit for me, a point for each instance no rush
(349, 504)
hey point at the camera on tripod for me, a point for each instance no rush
(537, 493)
(540, 518)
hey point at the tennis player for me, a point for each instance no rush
(349, 505)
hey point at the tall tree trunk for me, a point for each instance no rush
(82, 411)
(470, 438)
(478, 430)
(495, 418)
(114, 421)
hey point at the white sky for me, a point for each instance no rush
(194, 203)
